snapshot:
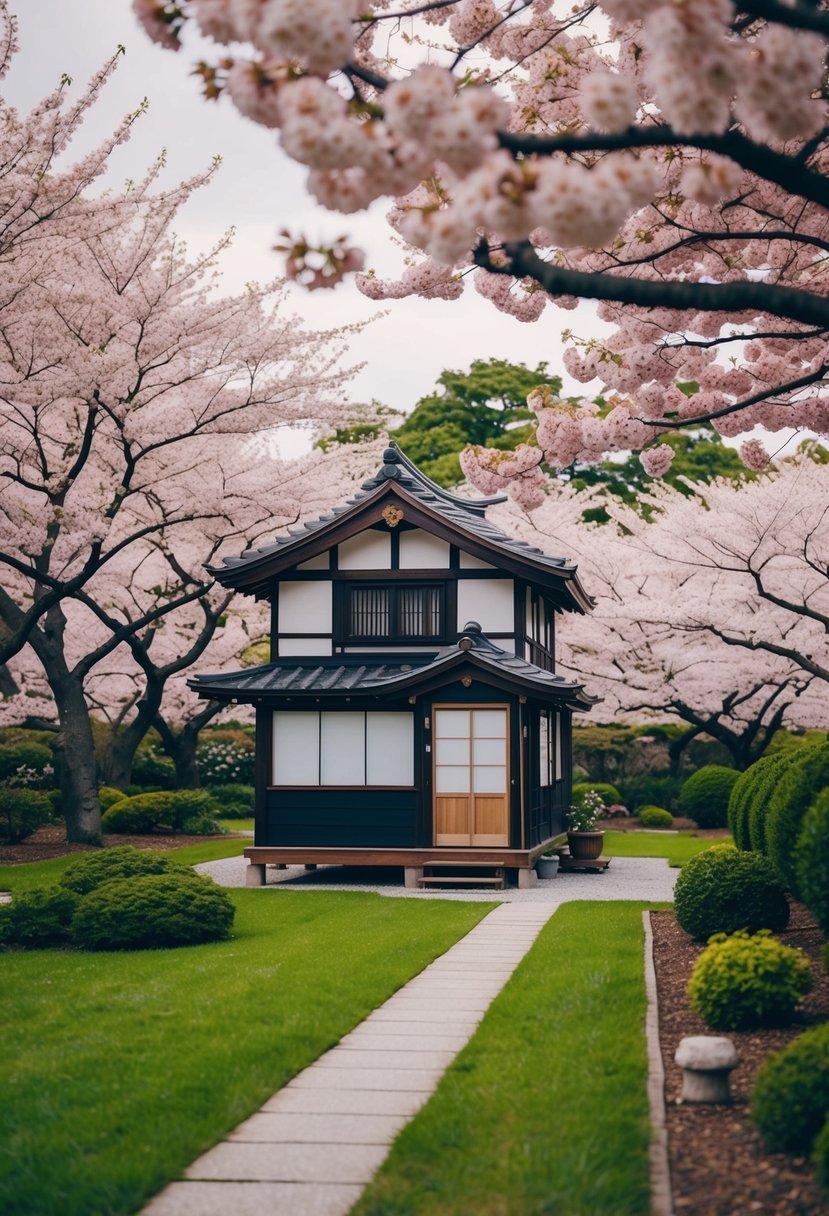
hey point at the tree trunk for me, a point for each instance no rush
(181, 745)
(119, 755)
(76, 766)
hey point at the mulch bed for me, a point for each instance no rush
(719, 1166)
(52, 842)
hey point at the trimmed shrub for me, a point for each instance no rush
(652, 791)
(811, 860)
(234, 801)
(740, 799)
(608, 793)
(92, 870)
(704, 796)
(108, 796)
(723, 890)
(820, 1157)
(22, 812)
(226, 755)
(758, 803)
(793, 794)
(740, 982)
(790, 1100)
(655, 817)
(26, 764)
(156, 910)
(190, 811)
(38, 918)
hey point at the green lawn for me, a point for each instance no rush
(678, 848)
(42, 873)
(238, 825)
(119, 1069)
(545, 1112)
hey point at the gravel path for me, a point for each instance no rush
(647, 878)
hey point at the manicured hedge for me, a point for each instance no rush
(811, 859)
(794, 793)
(22, 812)
(723, 890)
(764, 787)
(38, 918)
(655, 817)
(704, 796)
(190, 811)
(742, 793)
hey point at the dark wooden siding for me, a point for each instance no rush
(356, 818)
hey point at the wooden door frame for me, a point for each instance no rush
(472, 705)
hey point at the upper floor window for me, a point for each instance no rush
(540, 633)
(397, 613)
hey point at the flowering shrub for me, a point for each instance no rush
(741, 981)
(226, 757)
(585, 813)
(616, 811)
(26, 764)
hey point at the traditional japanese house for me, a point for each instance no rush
(411, 713)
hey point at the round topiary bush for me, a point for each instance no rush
(194, 812)
(741, 981)
(723, 890)
(92, 870)
(108, 796)
(811, 860)
(704, 796)
(607, 792)
(655, 817)
(764, 787)
(22, 812)
(793, 794)
(156, 910)
(790, 1100)
(38, 918)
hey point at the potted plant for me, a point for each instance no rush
(584, 841)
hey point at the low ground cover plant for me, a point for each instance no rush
(704, 796)
(790, 1100)
(744, 981)
(723, 889)
(655, 817)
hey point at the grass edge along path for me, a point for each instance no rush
(120, 1069)
(545, 1111)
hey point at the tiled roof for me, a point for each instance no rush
(359, 674)
(465, 513)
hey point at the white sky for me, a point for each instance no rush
(258, 191)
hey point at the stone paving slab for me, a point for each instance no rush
(446, 1017)
(254, 1199)
(415, 1042)
(288, 1163)
(283, 1127)
(346, 1102)
(368, 1057)
(393, 1079)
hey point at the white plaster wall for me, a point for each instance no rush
(305, 608)
(420, 550)
(299, 647)
(468, 562)
(320, 562)
(489, 602)
(367, 550)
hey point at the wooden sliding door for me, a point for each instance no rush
(471, 775)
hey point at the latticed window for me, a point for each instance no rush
(394, 613)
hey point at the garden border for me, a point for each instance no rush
(660, 1174)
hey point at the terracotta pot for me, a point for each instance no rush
(585, 846)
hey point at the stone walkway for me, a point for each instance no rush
(314, 1146)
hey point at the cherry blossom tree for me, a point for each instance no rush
(131, 399)
(666, 158)
(682, 627)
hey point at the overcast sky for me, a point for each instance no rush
(258, 191)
